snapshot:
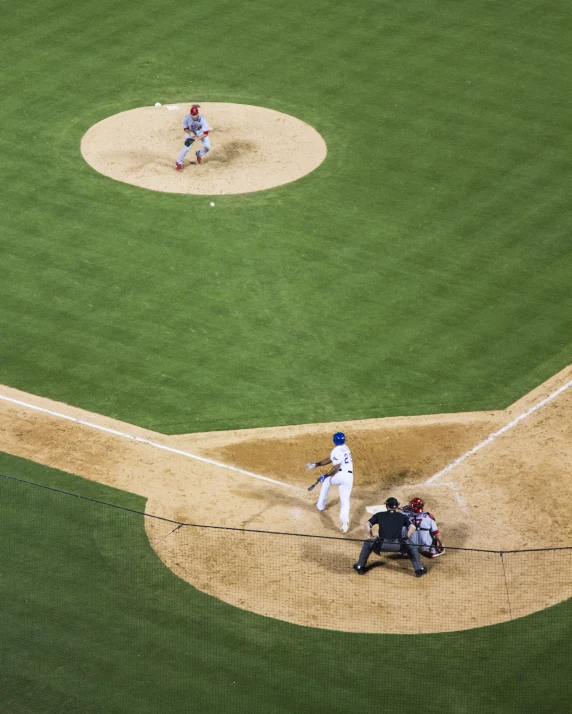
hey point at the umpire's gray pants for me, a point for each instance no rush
(379, 545)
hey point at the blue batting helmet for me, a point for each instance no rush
(339, 438)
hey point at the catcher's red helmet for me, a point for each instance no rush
(194, 110)
(416, 505)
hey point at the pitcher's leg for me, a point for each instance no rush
(206, 146)
(183, 152)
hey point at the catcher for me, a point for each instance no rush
(426, 534)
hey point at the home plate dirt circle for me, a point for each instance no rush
(252, 149)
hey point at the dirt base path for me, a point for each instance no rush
(513, 492)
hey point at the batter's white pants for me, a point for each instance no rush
(344, 482)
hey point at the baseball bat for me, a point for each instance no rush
(313, 486)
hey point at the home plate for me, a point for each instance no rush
(376, 509)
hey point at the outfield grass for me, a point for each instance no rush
(424, 267)
(92, 621)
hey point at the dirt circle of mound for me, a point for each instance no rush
(252, 149)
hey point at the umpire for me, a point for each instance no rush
(394, 530)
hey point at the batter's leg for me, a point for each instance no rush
(321, 505)
(345, 492)
(344, 482)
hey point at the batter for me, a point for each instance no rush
(341, 475)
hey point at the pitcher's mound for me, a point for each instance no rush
(252, 149)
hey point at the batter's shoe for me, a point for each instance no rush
(198, 157)
(437, 553)
(360, 569)
(420, 573)
(345, 526)
(178, 166)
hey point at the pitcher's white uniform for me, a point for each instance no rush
(198, 125)
(343, 479)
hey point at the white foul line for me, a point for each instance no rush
(148, 442)
(498, 433)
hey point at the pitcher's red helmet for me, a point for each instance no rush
(416, 505)
(194, 110)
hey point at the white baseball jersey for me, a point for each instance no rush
(343, 479)
(426, 528)
(197, 124)
(342, 455)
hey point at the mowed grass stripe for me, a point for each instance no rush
(377, 285)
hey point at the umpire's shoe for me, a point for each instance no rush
(420, 573)
(360, 570)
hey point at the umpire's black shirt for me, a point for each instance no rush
(391, 524)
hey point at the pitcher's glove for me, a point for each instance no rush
(189, 141)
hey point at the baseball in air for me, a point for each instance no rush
(157, 104)
(212, 204)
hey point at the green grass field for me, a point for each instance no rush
(424, 267)
(94, 622)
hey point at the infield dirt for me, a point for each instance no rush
(512, 494)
